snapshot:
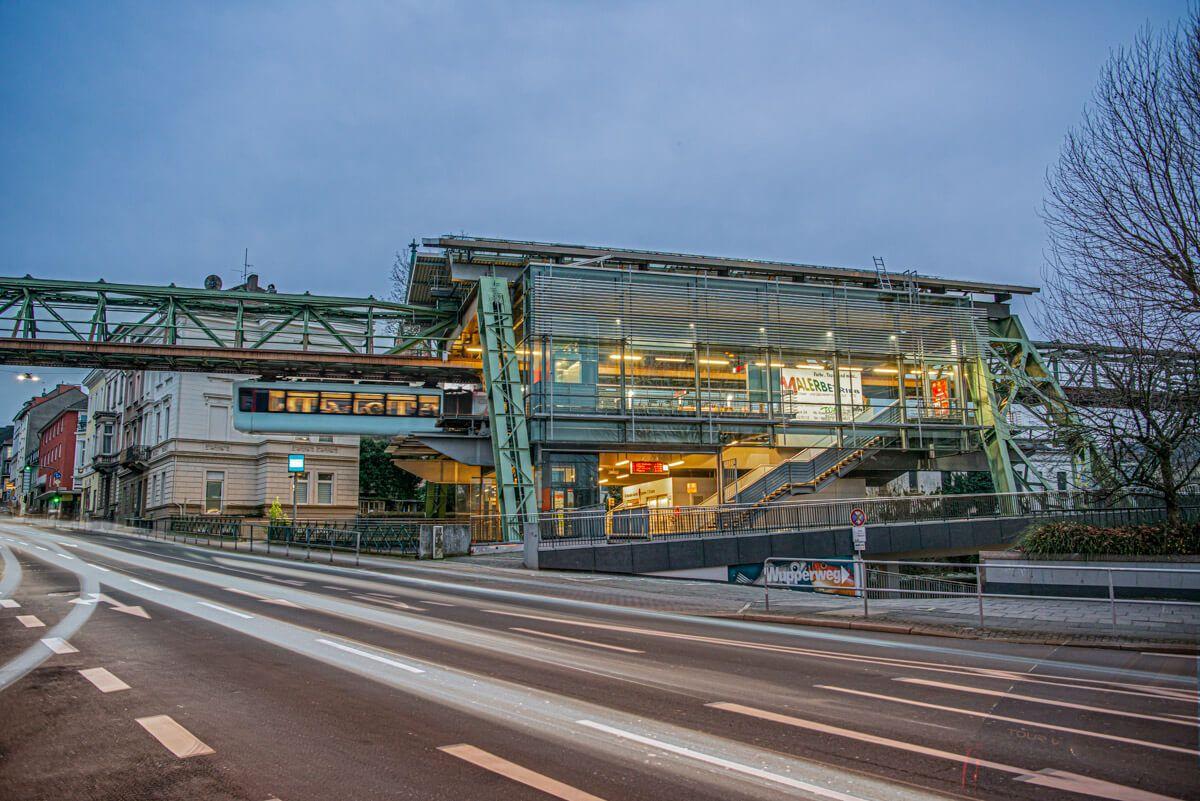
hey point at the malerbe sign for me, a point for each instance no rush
(809, 394)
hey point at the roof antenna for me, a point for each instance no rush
(246, 265)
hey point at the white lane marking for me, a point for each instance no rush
(105, 682)
(393, 604)
(30, 621)
(246, 593)
(9, 603)
(226, 610)
(176, 739)
(40, 548)
(1021, 721)
(146, 584)
(1049, 777)
(517, 773)
(69, 544)
(64, 556)
(369, 655)
(98, 567)
(1033, 699)
(1192, 657)
(264, 598)
(438, 603)
(934, 667)
(577, 640)
(331, 587)
(737, 767)
(59, 646)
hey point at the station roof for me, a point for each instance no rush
(510, 251)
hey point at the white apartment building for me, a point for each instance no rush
(163, 443)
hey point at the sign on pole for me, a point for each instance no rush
(858, 528)
(295, 462)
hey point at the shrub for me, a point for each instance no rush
(276, 514)
(1155, 539)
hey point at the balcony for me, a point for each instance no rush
(104, 462)
(134, 458)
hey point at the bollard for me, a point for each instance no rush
(357, 545)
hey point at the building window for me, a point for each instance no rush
(214, 492)
(1062, 481)
(107, 446)
(158, 432)
(324, 438)
(325, 488)
(301, 488)
(154, 489)
(167, 419)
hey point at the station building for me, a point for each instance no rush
(648, 379)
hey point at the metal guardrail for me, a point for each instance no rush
(864, 582)
(592, 527)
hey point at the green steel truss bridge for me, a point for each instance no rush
(135, 327)
(126, 326)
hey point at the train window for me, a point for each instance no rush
(276, 401)
(301, 402)
(368, 403)
(246, 400)
(429, 406)
(335, 403)
(401, 405)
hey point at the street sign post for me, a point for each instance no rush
(858, 528)
(295, 467)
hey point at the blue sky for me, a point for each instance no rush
(152, 142)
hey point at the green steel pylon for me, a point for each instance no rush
(506, 408)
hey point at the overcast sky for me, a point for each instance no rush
(152, 142)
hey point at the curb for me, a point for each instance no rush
(930, 631)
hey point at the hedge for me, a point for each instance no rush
(1155, 539)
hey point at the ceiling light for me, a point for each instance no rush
(885, 370)
(623, 475)
(622, 463)
(675, 463)
(671, 359)
(713, 361)
(604, 481)
(474, 349)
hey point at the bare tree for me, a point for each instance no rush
(1123, 214)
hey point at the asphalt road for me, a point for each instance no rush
(164, 671)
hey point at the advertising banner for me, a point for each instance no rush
(814, 575)
(939, 393)
(809, 394)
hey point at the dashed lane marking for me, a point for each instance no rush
(371, 656)
(98, 567)
(517, 773)
(1055, 779)
(1033, 699)
(30, 621)
(737, 767)
(1021, 721)
(146, 584)
(175, 738)
(394, 604)
(9, 603)
(577, 640)
(105, 682)
(226, 610)
(59, 646)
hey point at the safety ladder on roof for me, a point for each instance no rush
(515, 489)
(881, 273)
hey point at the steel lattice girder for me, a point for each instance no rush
(515, 488)
(98, 324)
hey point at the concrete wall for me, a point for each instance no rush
(1080, 583)
(883, 541)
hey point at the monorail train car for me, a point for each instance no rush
(311, 407)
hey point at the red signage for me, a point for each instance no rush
(647, 467)
(940, 394)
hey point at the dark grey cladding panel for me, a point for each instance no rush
(905, 538)
(652, 557)
(686, 554)
(843, 543)
(721, 551)
(1013, 527)
(788, 545)
(614, 558)
(752, 549)
(935, 536)
(879, 539)
(567, 559)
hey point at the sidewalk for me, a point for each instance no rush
(1057, 622)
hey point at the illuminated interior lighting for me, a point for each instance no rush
(629, 357)
(621, 463)
(618, 321)
(623, 475)
(828, 333)
(474, 349)
(671, 359)
(713, 361)
(892, 337)
(731, 444)
(885, 370)
(604, 481)
(676, 463)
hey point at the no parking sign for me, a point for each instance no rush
(858, 528)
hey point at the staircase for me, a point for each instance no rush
(812, 468)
